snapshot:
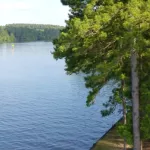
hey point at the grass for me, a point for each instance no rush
(110, 141)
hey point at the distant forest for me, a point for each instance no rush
(28, 32)
(4, 36)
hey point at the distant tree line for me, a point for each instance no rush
(28, 32)
(4, 36)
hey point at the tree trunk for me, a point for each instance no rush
(135, 102)
(141, 145)
(124, 121)
(124, 110)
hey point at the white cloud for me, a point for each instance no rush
(14, 6)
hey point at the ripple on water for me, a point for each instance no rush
(41, 108)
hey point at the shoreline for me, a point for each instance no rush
(110, 140)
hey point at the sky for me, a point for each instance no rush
(33, 11)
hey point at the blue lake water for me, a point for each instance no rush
(42, 108)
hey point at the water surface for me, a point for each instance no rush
(42, 108)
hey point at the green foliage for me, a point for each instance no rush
(98, 42)
(76, 6)
(90, 50)
(125, 130)
(145, 129)
(4, 36)
(33, 32)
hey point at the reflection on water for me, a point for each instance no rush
(42, 108)
(12, 49)
(6, 49)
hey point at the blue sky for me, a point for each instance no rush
(33, 11)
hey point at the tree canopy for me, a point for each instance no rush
(101, 42)
(33, 32)
(4, 36)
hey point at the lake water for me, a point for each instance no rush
(42, 108)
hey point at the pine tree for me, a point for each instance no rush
(110, 40)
